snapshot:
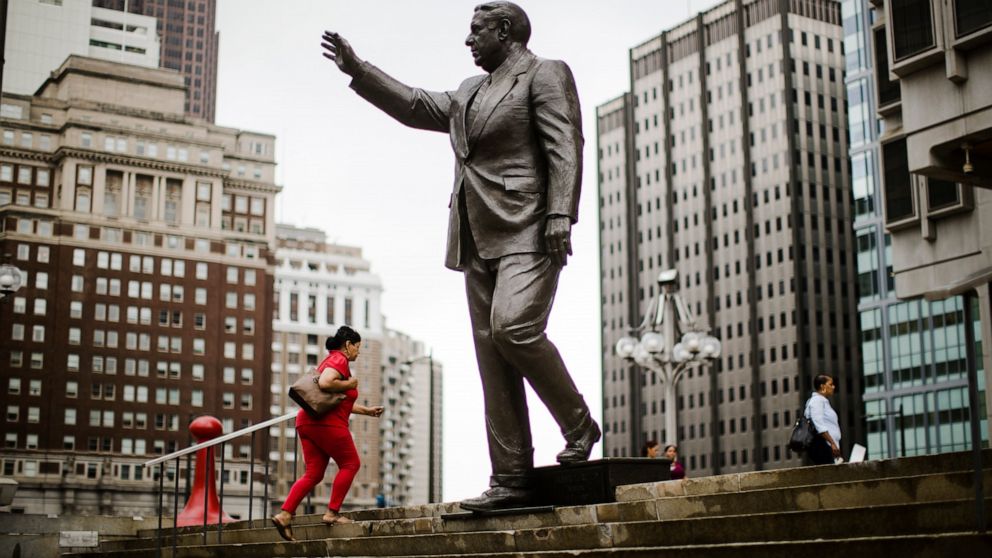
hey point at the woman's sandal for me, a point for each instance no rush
(285, 530)
(338, 520)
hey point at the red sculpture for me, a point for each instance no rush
(203, 428)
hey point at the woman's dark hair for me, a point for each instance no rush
(342, 336)
(671, 446)
(648, 445)
(820, 380)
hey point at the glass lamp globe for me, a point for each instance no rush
(653, 342)
(625, 347)
(691, 341)
(711, 347)
(641, 356)
(10, 279)
(680, 353)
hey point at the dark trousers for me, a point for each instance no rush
(509, 301)
(819, 451)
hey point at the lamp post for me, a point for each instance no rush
(670, 342)
(429, 357)
(902, 427)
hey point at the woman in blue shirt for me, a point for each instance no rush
(826, 446)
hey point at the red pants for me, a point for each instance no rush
(321, 443)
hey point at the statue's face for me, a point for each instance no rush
(483, 39)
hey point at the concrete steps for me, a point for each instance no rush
(920, 506)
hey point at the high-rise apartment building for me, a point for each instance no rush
(411, 423)
(913, 351)
(145, 239)
(930, 63)
(320, 287)
(727, 161)
(41, 35)
(189, 45)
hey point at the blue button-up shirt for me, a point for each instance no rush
(824, 417)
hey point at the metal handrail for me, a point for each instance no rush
(222, 439)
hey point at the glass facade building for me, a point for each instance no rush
(913, 351)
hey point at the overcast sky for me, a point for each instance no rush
(368, 181)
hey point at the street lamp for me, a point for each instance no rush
(10, 280)
(405, 367)
(660, 348)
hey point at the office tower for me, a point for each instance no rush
(144, 238)
(726, 161)
(189, 45)
(40, 35)
(921, 118)
(320, 287)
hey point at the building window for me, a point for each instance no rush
(970, 16)
(888, 89)
(42, 177)
(912, 27)
(143, 197)
(941, 194)
(83, 199)
(203, 196)
(173, 201)
(898, 183)
(84, 175)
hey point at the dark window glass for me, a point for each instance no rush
(888, 90)
(912, 27)
(941, 193)
(898, 186)
(972, 15)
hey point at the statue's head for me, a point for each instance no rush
(497, 28)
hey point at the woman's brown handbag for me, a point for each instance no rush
(308, 395)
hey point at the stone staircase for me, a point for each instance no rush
(919, 506)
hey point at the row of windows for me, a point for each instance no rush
(27, 139)
(26, 175)
(45, 228)
(143, 148)
(167, 293)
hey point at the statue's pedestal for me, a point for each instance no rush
(579, 484)
(595, 482)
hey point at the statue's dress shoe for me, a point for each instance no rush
(499, 497)
(578, 450)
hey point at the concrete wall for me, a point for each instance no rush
(37, 536)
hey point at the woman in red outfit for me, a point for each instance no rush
(328, 437)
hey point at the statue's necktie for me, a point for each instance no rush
(473, 108)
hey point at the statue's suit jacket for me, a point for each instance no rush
(520, 161)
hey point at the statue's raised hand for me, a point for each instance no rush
(337, 49)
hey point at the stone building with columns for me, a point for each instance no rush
(146, 240)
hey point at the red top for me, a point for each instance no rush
(340, 415)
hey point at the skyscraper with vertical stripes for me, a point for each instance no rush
(727, 160)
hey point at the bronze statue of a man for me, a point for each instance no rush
(517, 136)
